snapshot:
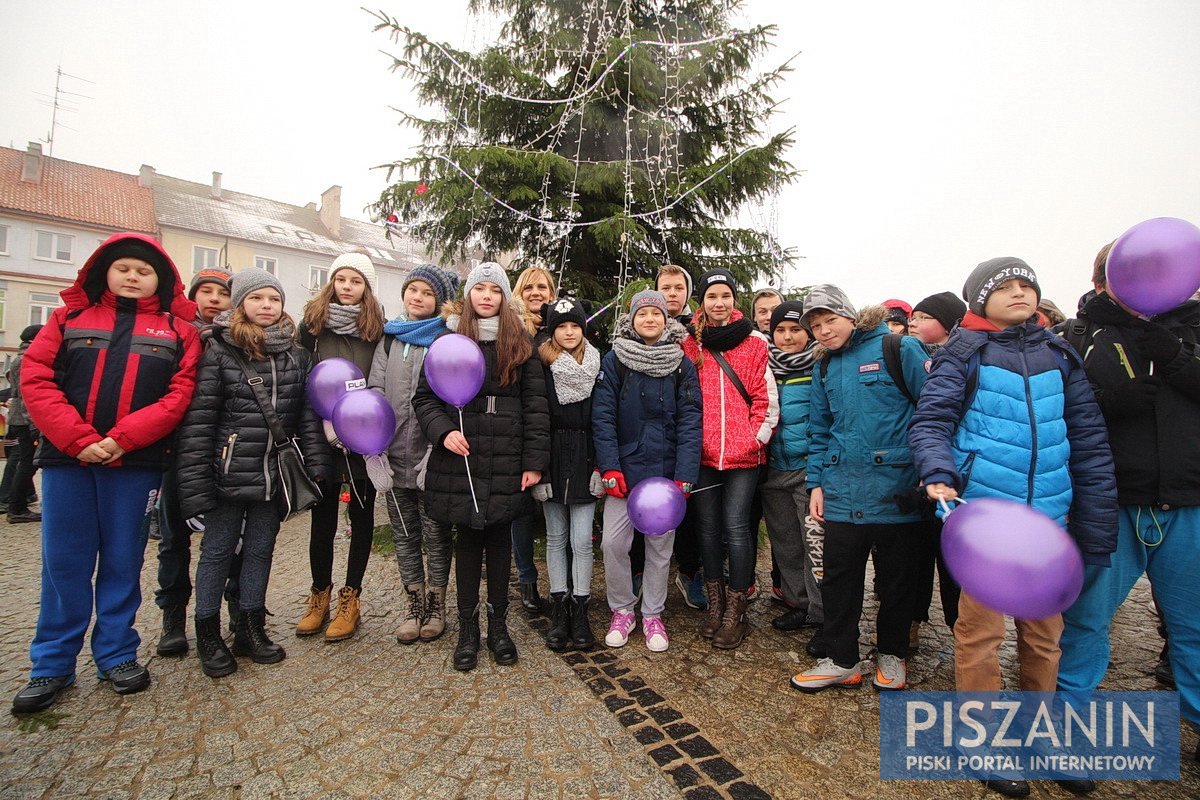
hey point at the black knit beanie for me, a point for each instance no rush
(945, 307)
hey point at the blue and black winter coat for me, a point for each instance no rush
(1010, 414)
(858, 429)
(789, 445)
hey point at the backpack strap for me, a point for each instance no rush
(891, 359)
(1079, 333)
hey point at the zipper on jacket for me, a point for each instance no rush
(270, 436)
(721, 379)
(227, 453)
(1032, 419)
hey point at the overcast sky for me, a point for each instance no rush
(932, 135)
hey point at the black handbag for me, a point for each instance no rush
(297, 491)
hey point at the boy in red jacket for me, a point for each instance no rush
(106, 381)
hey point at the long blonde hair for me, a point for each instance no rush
(550, 350)
(370, 319)
(249, 335)
(527, 276)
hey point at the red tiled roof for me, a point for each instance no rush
(77, 193)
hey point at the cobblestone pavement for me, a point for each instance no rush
(371, 718)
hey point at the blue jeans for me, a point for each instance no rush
(724, 515)
(175, 551)
(1166, 546)
(569, 523)
(522, 549)
(91, 523)
(257, 524)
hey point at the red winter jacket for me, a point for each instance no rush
(736, 435)
(113, 366)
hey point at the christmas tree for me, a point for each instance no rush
(600, 138)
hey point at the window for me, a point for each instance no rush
(305, 236)
(317, 276)
(203, 258)
(276, 229)
(3, 240)
(268, 264)
(41, 306)
(54, 246)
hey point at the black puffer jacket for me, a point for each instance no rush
(572, 453)
(1153, 444)
(223, 440)
(508, 431)
(337, 345)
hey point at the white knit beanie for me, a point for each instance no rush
(360, 264)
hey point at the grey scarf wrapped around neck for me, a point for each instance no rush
(277, 338)
(656, 360)
(489, 328)
(343, 319)
(574, 381)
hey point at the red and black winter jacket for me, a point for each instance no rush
(113, 366)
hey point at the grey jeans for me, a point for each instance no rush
(257, 525)
(618, 577)
(410, 528)
(569, 523)
(797, 540)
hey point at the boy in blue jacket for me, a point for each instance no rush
(862, 484)
(1008, 413)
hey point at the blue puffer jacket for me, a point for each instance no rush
(858, 441)
(1032, 431)
(789, 445)
(647, 427)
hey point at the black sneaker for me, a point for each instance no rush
(127, 677)
(1077, 785)
(790, 620)
(816, 645)
(23, 516)
(40, 693)
(1008, 788)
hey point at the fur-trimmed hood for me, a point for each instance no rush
(869, 319)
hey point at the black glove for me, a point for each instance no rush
(1131, 399)
(1160, 344)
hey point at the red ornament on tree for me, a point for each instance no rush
(421, 188)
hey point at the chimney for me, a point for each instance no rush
(331, 210)
(31, 167)
(146, 176)
(215, 191)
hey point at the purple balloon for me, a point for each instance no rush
(1012, 558)
(656, 506)
(1155, 265)
(328, 380)
(364, 422)
(455, 369)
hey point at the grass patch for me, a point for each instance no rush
(47, 720)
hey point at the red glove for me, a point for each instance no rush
(614, 484)
(684, 487)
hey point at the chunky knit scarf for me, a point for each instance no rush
(277, 338)
(656, 360)
(489, 328)
(726, 337)
(343, 319)
(784, 364)
(574, 381)
(420, 332)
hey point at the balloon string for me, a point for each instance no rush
(399, 514)
(470, 483)
(946, 506)
(706, 488)
(353, 488)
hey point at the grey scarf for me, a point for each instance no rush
(656, 360)
(277, 338)
(489, 329)
(343, 319)
(574, 381)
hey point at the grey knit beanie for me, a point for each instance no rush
(489, 272)
(247, 280)
(443, 282)
(648, 298)
(984, 279)
(827, 297)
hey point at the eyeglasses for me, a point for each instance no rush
(919, 317)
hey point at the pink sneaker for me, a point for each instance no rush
(623, 623)
(656, 634)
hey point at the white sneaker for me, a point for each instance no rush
(890, 672)
(656, 634)
(825, 674)
(623, 623)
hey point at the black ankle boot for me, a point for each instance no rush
(173, 641)
(530, 600)
(560, 623)
(466, 652)
(251, 639)
(504, 650)
(581, 627)
(215, 658)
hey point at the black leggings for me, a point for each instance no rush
(469, 550)
(324, 525)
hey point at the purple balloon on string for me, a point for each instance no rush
(455, 369)
(364, 422)
(656, 506)
(328, 380)
(1155, 265)
(1012, 558)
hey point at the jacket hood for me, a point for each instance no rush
(92, 280)
(869, 319)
